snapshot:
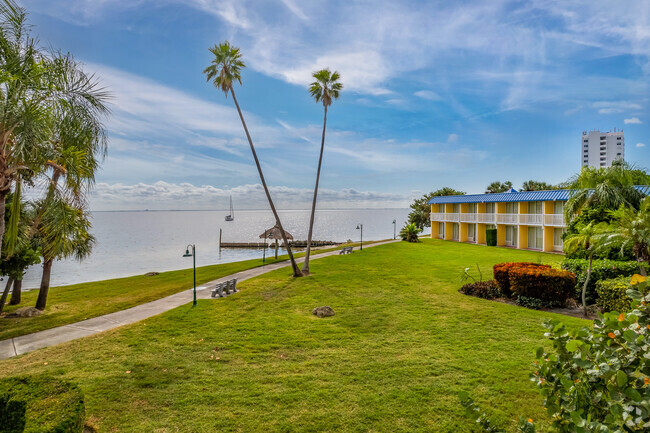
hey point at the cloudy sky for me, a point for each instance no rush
(437, 93)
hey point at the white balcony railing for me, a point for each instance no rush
(486, 218)
(556, 220)
(508, 218)
(530, 219)
(468, 217)
(437, 216)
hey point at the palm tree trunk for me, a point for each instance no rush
(3, 197)
(584, 287)
(16, 293)
(305, 265)
(3, 299)
(45, 285)
(296, 271)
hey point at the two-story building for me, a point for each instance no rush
(527, 220)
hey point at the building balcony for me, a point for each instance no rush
(530, 219)
(508, 218)
(555, 220)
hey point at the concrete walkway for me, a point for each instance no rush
(50, 337)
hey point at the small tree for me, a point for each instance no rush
(421, 213)
(534, 185)
(632, 228)
(410, 233)
(496, 187)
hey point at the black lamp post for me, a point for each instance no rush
(193, 255)
(394, 228)
(360, 227)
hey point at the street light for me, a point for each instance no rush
(193, 255)
(360, 227)
(394, 228)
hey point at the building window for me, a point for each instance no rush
(535, 238)
(535, 207)
(441, 208)
(557, 238)
(602, 138)
(558, 207)
(471, 232)
(455, 232)
(490, 207)
(511, 236)
(512, 207)
(456, 207)
(472, 208)
(441, 230)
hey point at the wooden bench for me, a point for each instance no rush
(228, 287)
(345, 250)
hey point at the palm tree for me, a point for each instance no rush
(224, 69)
(632, 228)
(324, 89)
(410, 233)
(496, 187)
(34, 88)
(64, 232)
(589, 238)
(609, 188)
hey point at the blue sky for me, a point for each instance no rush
(436, 94)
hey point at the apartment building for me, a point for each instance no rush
(528, 220)
(601, 149)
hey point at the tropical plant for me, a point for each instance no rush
(64, 232)
(632, 228)
(590, 239)
(34, 87)
(324, 89)
(609, 188)
(224, 70)
(496, 187)
(421, 213)
(410, 233)
(534, 185)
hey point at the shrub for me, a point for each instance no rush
(600, 270)
(40, 404)
(593, 380)
(482, 289)
(534, 303)
(551, 286)
(409, 233)
(491, 237)
(501, 273)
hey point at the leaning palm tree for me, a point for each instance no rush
(223, 71)
(632, 228)
(63, 233)
(590, 239)
(324, 89)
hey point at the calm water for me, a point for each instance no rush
(133, 243)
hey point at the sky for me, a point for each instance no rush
(436, 93)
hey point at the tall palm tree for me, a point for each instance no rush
(64, 232)
(632, 228)
(325, 89)
(610, 188)
(589, 238)
(223, 71)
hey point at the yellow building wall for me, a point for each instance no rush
(449, 207)
(463, 232)
(449, 231)
(548, 238)
(501, 208)
(523, 207)
(501, 235)
(548, 207)
(480, 207)
(480, 233)
(522, 241)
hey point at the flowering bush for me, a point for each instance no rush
(600, 270)
(594, 380)
(502, 277)
(551, 286)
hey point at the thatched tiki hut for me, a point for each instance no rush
(275, 234)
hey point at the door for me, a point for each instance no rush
(535, 238)
(441, 230)
(471, 232)
(455, 234)
(511, 236)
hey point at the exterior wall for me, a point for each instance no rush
(501, 229)
(600, 149)
(548, 208)
(522, 239)
(480, 233)
(434, 225)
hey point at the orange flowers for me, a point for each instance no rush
(636, 279)
(530, 420)
(621, 317)
(646, 381)
(611, 335)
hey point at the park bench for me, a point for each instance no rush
(345, 250)
(228, 287)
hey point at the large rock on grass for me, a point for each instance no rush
(25, 312)
(323, 311)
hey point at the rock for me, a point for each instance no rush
(151, 274)
(323, 311)
(25, 312)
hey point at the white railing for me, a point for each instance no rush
(530, 219)
(556, 220)
(468, 217)
(437, 216)
(486, 218)
(507, 218)
(452, 217)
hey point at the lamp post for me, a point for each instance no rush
(360, 227)
(193, 255)
(394, 228)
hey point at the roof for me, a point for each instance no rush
(275, 233)
(515, 196)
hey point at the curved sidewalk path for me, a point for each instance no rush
(50, 337)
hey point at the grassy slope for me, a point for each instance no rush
(69, 304)
(402, 344)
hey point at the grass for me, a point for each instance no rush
(73, 303)
(401, 346)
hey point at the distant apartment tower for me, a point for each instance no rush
(600, 149)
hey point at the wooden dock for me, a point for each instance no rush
(271, 245)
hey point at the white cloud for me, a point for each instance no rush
(452, 138)
(632, 121)
(164, 195)
(609, 107)
(640, 145)
(428, 94)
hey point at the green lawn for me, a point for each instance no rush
(402, 345)
(69, 304)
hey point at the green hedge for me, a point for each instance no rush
(40, 405)
(601, 270)
(491, 237)
(553, 287)
(612, 296)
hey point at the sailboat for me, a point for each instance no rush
(231, 215)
